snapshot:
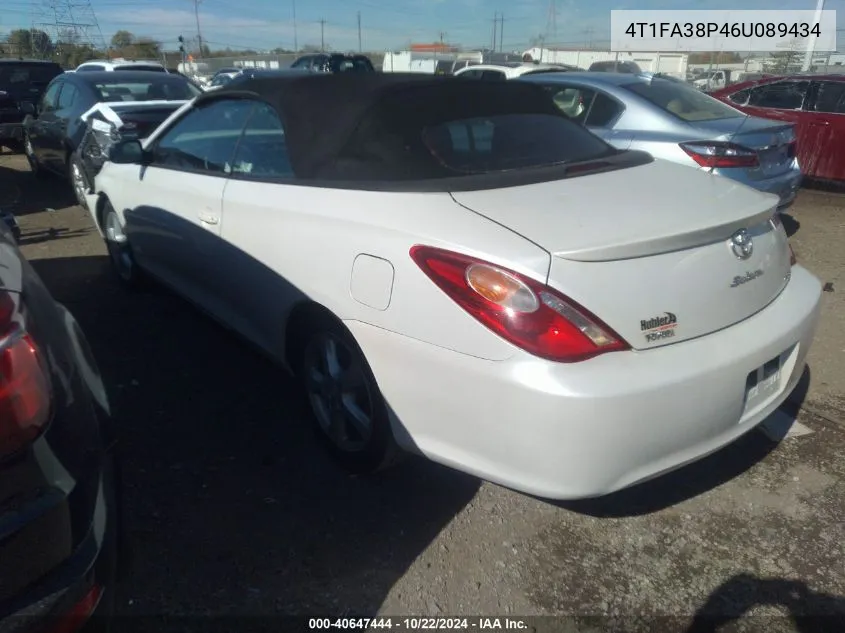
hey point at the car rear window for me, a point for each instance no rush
(682, 101)
(351, 64)
(16, 76)
(510, 141)
(165, 88)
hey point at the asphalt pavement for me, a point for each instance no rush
(234, 510)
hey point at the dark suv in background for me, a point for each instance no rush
(334, 63)
(21, 82)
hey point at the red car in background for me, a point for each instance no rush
(814, 103)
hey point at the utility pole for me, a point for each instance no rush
(495, 29)
(199, 32)
(501, 32)
(322, 36)
(811, 43)
(295, 42)
(359, 32)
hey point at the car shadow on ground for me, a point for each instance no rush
(827, 186)
(22, 193)
(232, 508)
(809, 611)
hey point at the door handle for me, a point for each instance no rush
(208, 218)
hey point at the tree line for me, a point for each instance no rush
(69, 51)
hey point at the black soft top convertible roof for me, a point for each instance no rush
(327, 117)
(321, 112)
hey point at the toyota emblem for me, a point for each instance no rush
(741, 244)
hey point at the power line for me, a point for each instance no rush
(68, 21)
(295, 41)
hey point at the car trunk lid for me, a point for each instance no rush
(649, 258)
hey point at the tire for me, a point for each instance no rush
(120, 251)
(34, 167)
(77, 179)
(348, 412)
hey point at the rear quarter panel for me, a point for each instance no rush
(311, 236)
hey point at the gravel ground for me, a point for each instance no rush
(234, 510)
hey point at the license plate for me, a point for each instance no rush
(763, 383)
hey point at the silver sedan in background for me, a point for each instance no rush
(673, 121)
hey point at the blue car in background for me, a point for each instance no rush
(673, 121)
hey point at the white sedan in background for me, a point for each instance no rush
(456, 269)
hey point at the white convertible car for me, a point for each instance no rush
(454, 268)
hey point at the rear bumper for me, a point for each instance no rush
(61, 590)
(785, 186)
(588, 429)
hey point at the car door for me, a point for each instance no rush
(255, 221)
(780, 101)
(824, 138)
(41, 125)
(174, 226)
(67, 110)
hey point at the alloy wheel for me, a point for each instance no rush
(339, 392)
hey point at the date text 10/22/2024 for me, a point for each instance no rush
(417, 624)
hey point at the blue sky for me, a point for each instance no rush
(386, 24)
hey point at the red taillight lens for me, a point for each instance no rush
(718, 154)
(529, 314)
(24, 389)
(79, 614)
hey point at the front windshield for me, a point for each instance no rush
(156, 88)
(682, 101)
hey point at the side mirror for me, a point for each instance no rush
(128, 153)
(28, 108)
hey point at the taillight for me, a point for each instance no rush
(24, 384)
(719, 154)
(527, 313)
